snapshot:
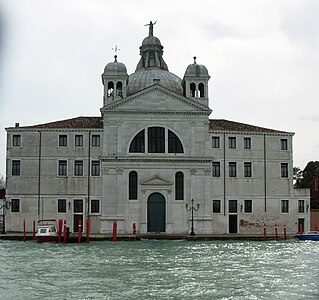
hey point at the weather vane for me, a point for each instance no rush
(115, 49)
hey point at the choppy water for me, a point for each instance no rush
(160, 270)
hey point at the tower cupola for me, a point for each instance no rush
(195, 82)
(114, 79)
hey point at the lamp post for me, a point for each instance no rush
(192, 208)
(5, 205)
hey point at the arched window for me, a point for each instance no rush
(174, 144)
(193, 89)
(132, 185)
(138, 143)
(110, 89)
(119, 89)
(156, 140)
(201, 90)
(179, 186)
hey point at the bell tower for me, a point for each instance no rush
(114, 79)
(195, 83)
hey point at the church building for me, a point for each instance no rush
(154, 158)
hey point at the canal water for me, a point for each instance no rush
(160, 270)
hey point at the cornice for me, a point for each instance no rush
(155, 160)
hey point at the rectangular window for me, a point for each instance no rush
(232, 143)
(61, 205)
(96, 140)
(247, 169)
(232, 169)
(95, 206)
(215, 142)
(216, 169)
(284, 206)
(284, 170)
(15, 205)
(247, 143)
(16, 140)
(232, 206)
(301, 206)
(16, 168)
(78, 168)
(63, 140)
(62, 168)
(284, 144)
(78, 142)
(316, 184)
(95, 170)
(216, 206)
(248, 206)
(78, 205)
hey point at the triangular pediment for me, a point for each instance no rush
(158, 99)
(156, 180)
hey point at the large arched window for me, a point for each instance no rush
(138, 143)
(179, 186)
(132, 185)
(156, 140)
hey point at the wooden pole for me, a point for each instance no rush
(33, 230)
(24, 231)
(79, 231)
(64, 232)
(114, 231)
(88, 224)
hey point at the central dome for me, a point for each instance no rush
(142, 79)
(152, 68)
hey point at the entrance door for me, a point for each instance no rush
(301, 223)
(76, 219)
(232, 223)
(78, 214)
(156, 213)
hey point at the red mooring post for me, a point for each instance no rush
(285, 232)
(276, 231)
(60, 230)
(33, 230)
(88, 224)
(134, 228)
(64, 232)
(300, 229)
(114, 231)
(79, 231)
(24, 231)
(265, 232)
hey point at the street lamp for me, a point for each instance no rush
(4, 205)
(192, 209)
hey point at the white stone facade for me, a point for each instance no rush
(241, 175)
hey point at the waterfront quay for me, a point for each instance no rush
(73, 237)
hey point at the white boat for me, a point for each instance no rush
(47, 231)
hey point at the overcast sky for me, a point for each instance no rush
(262, 56)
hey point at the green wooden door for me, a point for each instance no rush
(156, 213)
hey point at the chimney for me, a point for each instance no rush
(17, 125)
